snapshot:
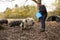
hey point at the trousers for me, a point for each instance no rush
(43, 19)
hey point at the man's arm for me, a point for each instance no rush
(45, 8)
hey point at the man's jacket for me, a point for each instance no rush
(42, 9)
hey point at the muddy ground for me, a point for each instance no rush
(52, 32)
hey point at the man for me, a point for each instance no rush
(43, 11)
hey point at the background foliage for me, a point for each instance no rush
(27, 11)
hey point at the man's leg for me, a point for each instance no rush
(43, 23)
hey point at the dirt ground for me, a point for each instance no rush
(52, 32)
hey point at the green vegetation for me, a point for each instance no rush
(20, 12)
(27, 11)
